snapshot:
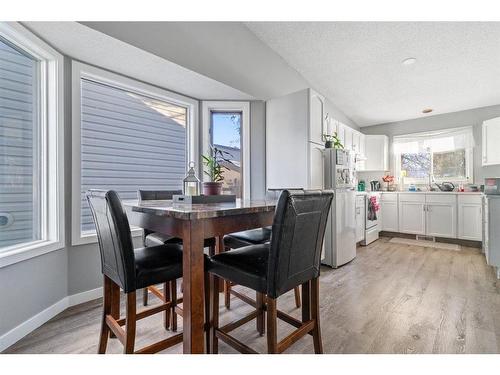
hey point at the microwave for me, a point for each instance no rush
(492, 186)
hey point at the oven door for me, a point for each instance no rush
(370, 222)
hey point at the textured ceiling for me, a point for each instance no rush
(358, 64)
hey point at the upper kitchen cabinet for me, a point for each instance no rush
(317, 117)
(376, 153)
(294, 145)
(490, 137)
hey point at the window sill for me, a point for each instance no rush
(91, 237)
(27, 251)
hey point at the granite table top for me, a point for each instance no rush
(185, 211)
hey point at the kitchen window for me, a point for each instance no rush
(31, 145)
(434, 156)
(127, 136)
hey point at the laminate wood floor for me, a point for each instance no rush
(392, 298)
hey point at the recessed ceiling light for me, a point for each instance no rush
(427, 110)
(409, 61)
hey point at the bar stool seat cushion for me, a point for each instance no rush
(157, 264)
(246, 266)
(244, 238)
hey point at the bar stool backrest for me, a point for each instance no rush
(115, 239)
(155, 195)
(297, 238)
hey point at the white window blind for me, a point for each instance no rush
(19, 203)
(129, 142)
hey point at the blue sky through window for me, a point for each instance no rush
(226, 129)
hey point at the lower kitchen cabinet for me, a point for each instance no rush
(441, 215)
(412, 213)
(389, 210)
(470, 218)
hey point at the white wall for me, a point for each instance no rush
(472, 117)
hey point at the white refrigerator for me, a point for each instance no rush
(340, 238)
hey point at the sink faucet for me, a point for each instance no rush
(431, 179)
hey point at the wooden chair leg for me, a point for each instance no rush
(306, 302)
(227, 294)
(318, 345)
(115, 304)
(272, 331)
(130, 323)
(260, 313)
(208, 319)
(145, 294)
(103, 338)
(166, 298)
(297, 296)
(214, 291)
(173, 296)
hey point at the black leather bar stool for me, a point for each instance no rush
(129, 269)
(291, 259)
(246, 238)
(151, 238)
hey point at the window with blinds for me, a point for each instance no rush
(19, 200)
(129, 142)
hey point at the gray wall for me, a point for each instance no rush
(472, 117)
(45, 280)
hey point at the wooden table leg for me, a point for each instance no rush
(193, 279)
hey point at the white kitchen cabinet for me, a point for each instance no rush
(347, 138)
(376, 153)
(470, 217)
(389, 212)
(292, 159)
(355, 141)
(317, 117)
(341, 132)
(441, 215)
(317, 162)
(490, 137)
(411, 213)
(360, 218)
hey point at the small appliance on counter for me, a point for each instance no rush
(361, 185)
(375, 185)
(445, 186)
(492, 186)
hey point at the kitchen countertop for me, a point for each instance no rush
(433, 192)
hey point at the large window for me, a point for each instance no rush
(435, 156)
(30, 145)
(128, 139)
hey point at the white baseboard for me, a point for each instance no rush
(89, 295)
(17, 333)
(23, 329)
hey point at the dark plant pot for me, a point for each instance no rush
(328, 144)
(212, 188)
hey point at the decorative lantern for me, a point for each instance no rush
(191, 182)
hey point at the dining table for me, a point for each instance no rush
(193, 223)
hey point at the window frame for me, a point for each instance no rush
(81, 71)
(229, 106)
(50, 141)
(469, 170)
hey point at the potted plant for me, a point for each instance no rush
(332, 141)
(214, 170)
